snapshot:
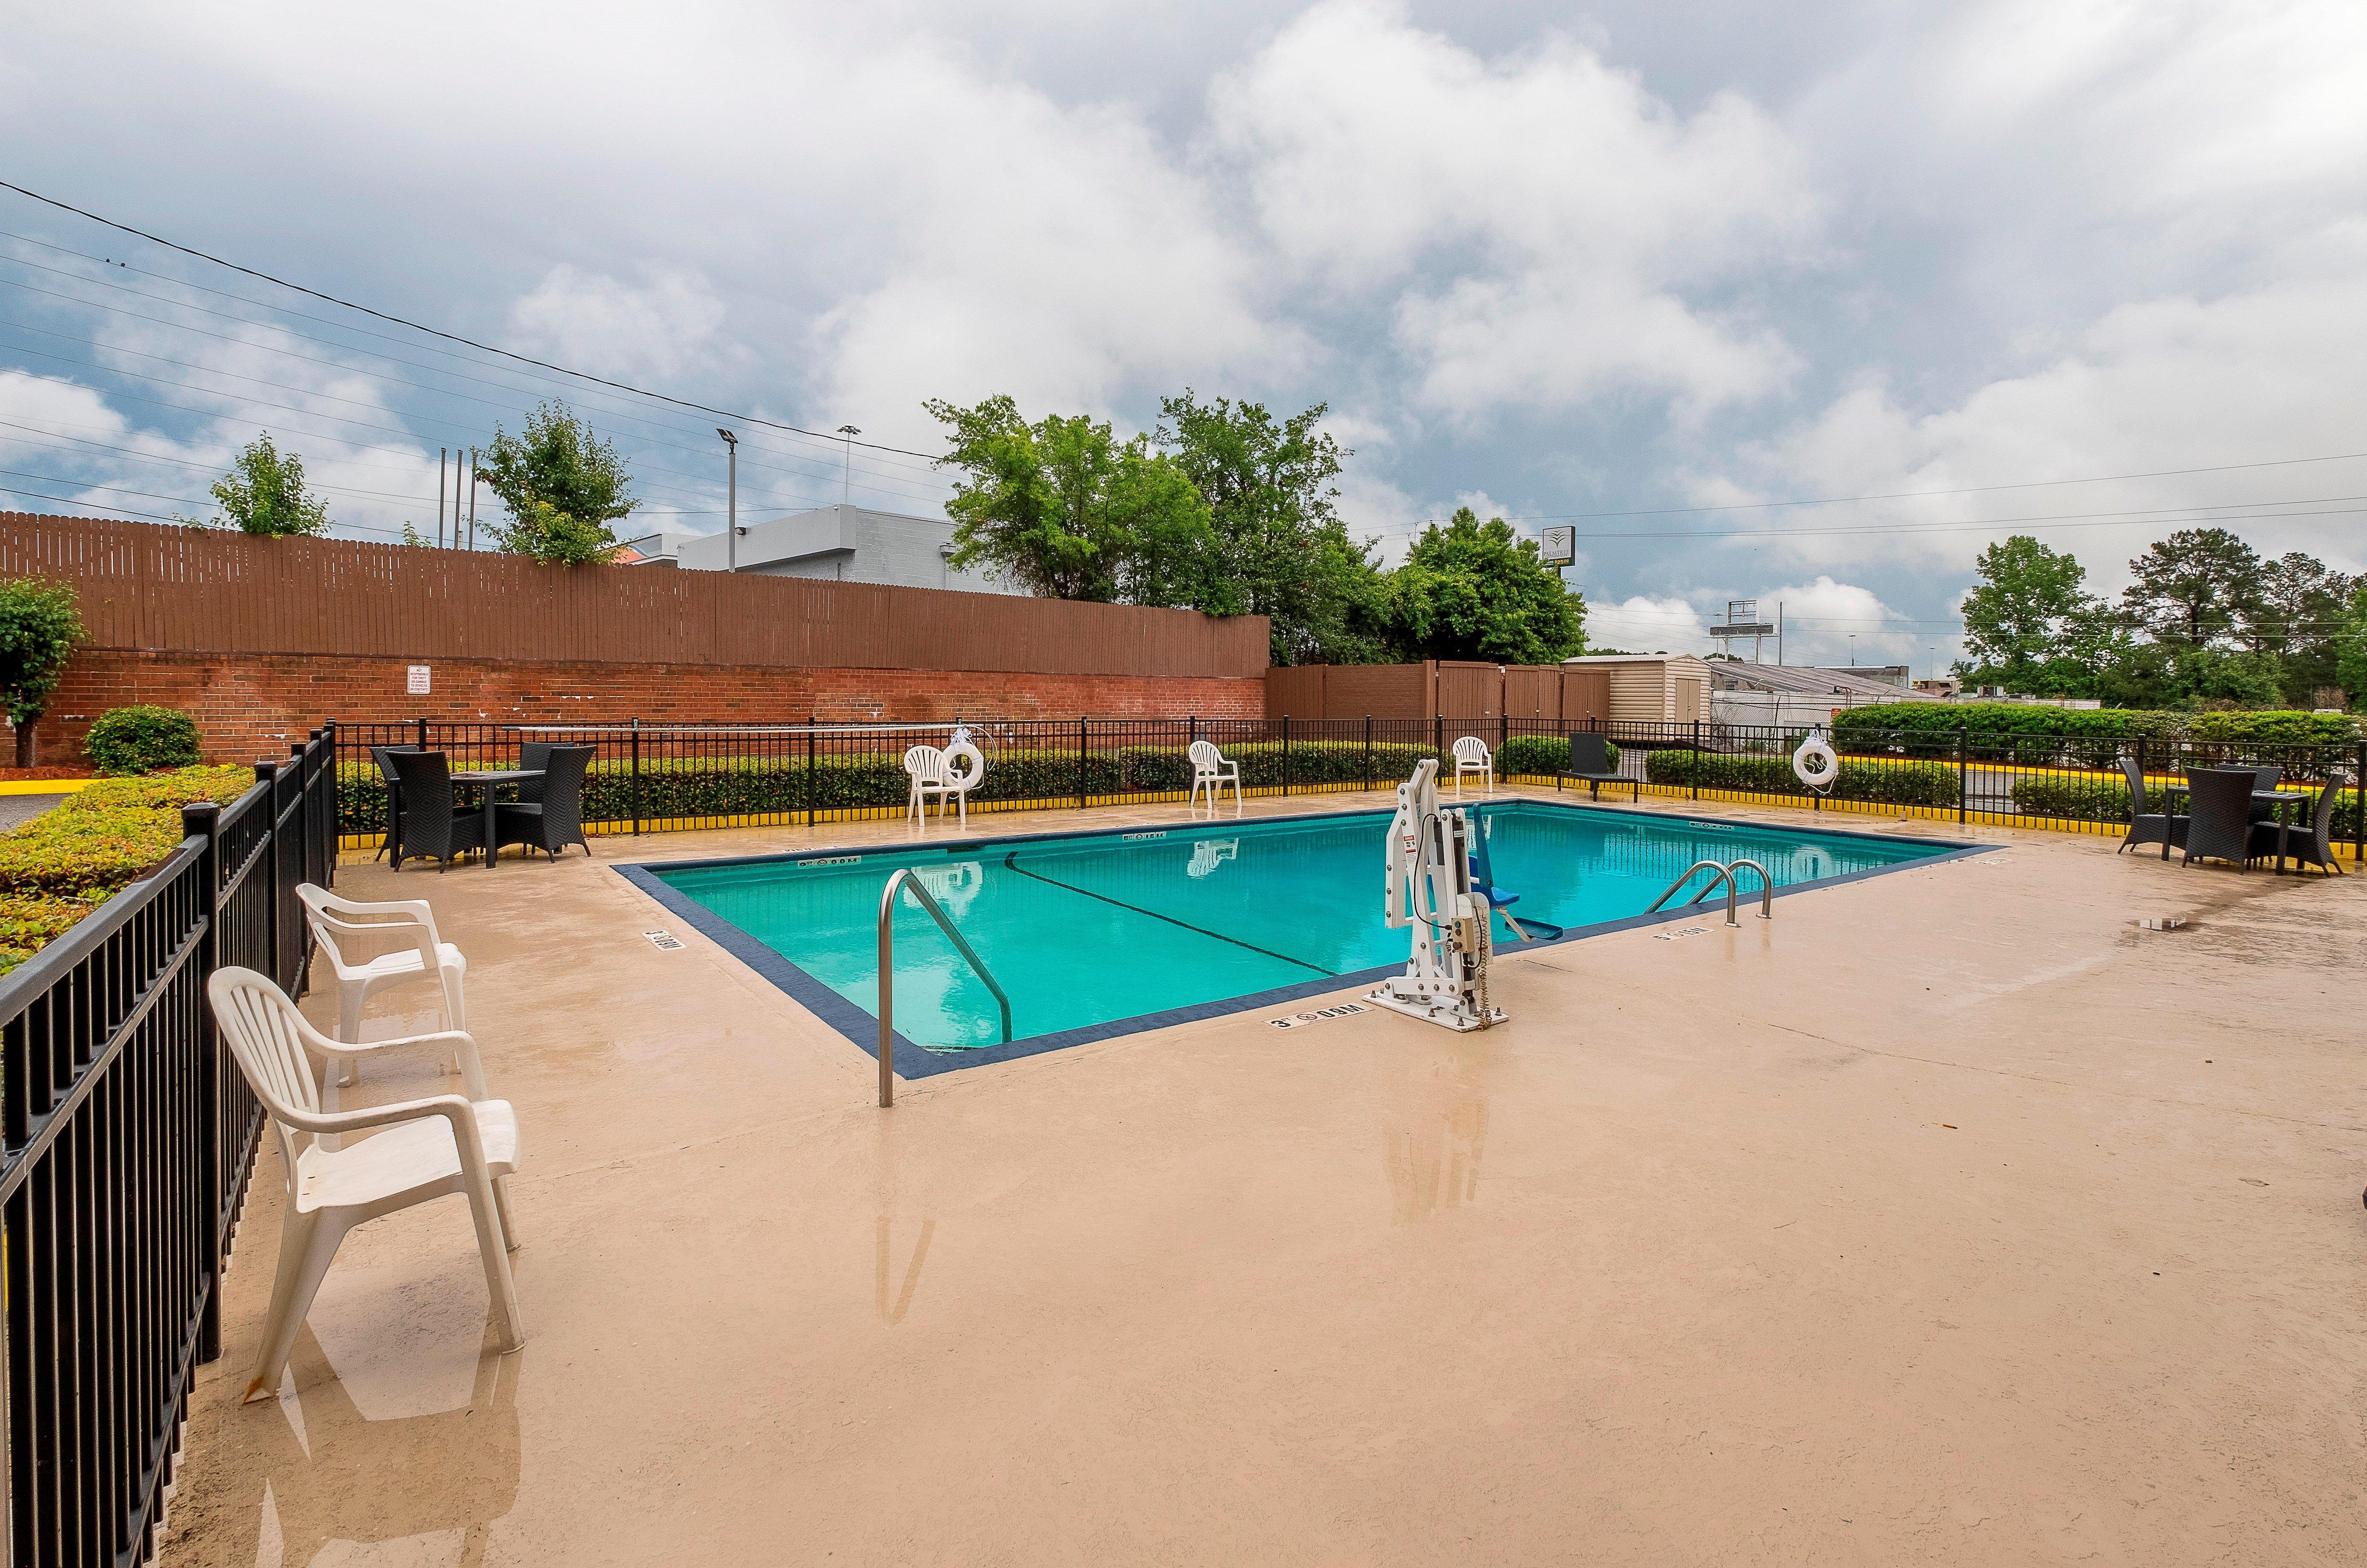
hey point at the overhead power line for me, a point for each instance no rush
(448, 337)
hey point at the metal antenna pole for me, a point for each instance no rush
(846, 474)
(731, 501)
(441, 452)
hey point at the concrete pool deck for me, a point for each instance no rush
(1948, 1217)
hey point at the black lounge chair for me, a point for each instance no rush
(432, 828)
(2312, 843)
(1590, 759)
(556, 821)
(2149, 826)
(2221, 826)
(383, 757)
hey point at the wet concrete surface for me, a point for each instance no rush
(1948, 1218)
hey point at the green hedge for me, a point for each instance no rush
(2033, 735)
(1900, 783)
(1539, 756)
(695, 788)
(57, 867)
(2107, 800)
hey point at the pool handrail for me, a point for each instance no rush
(1726, 874)
(904, 878)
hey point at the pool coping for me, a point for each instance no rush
(914, 1060)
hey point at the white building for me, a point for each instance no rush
(845, 544)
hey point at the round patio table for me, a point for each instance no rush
(489, 781)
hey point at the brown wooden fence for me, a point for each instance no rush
(155, 587)
(1546, 693)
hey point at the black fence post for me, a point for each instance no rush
(203, 819)
(811, 719)
(1286, 756)
(2359, 805)
(423, 735)
(1438, 737)
(1083, 740)
(637, 775)
(2137, 802)
(333, 832)
(1695, 770)
(1963, 776)
(1369, 751)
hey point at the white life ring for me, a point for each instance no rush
(967, 778)
(1816, 764)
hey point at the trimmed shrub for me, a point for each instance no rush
(57, 867)
(30, 922)
(1888, 784)
(158, 792)
(128, 742)
(2033, 736)
(1539, 756)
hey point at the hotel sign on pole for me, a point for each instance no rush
(1560, 546)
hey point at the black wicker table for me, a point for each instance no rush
(489, 781)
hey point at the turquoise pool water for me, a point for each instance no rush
(1086, 931)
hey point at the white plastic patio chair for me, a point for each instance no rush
(932, 772)
(428, 956)
(1212, 772)
(423, 1149)
(1472, 756)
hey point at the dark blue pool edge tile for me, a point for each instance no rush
(914, 1061)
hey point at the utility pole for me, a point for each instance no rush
(731, 501)
(846, 475)
(441, 452)
(476, 478)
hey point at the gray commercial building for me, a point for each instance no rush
(843, 543)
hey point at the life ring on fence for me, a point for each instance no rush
(966, 779)
(1816, 764)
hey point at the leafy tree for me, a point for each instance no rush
(2351, 647)
(1475, 590)
(1269, 488)
(2198, 586)
(2017, 621)
(264, 492)
(562, 486)
(1065, 509)
(2302, 606)
(40, 627)
(549, 535)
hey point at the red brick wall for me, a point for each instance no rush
(250, 705)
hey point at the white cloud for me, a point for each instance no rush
(1535, 225)
(667, 326)
(1646, 623)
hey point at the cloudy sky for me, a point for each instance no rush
(1645, 266)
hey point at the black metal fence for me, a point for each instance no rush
(651, 777)
(127, 1136)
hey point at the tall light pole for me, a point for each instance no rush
(731, 501)
(846, 475)
(1852, 650)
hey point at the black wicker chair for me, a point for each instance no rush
(383, 757)
(556, 821)
(2149, 826)
(432, 826)
(1590, 759)
(534, 755)
(2221, 826)
(2268, 776)
(2312, 844)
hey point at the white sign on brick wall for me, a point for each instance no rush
(418, 687)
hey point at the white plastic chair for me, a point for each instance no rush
(428, 956)
(1472, 756)
(1212, 772)
(425, 1149)
(932, 772)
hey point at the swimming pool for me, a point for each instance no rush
(1098, 934)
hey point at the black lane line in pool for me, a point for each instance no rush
(1012, 860)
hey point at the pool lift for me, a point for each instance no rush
(1428, 864)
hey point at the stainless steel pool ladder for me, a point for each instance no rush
(905, 880)
(1726, 874)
